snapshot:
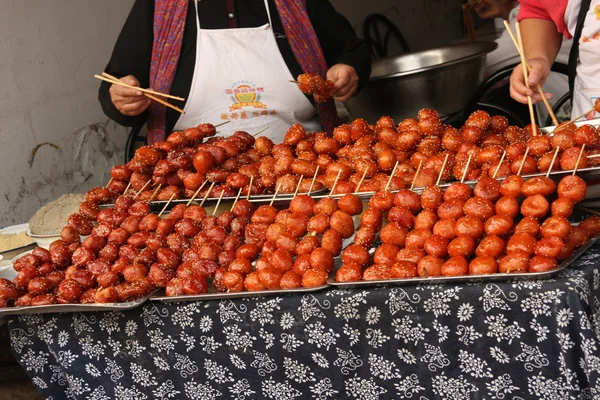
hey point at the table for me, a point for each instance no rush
(507, 340)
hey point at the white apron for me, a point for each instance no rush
(241, 76)
(587, 82)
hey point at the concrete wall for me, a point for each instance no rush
(54, 138)
(424, 23)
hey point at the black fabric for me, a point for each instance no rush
(497, 340)
(574, 53)
(133, 49)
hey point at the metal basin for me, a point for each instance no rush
(443, 79)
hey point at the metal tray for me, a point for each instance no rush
(60, 308)
(213, 294)
(464, 278)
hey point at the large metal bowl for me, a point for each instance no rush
(443, 79)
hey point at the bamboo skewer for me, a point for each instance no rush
(523, 161)
(127, 188)
(312, 183)
(587, 210)
(218, 203)
(412, 185)
(387, 186)
(166, 205)
(236, 199)
(212, 185)
(250, 187)
(442, 170)
(335, 182)
(466, 169)
(221, 124)
(275, 194)
(109, 182)
(499, 164)
(362, 178)
(552, 163)
(261, 131)
(142, 189)
(196, 193)
(468, 21)
(579, 158)
(111, 79)
(116, 81)
(155, 193)
(298, 186)
(526, 77)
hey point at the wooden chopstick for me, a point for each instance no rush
(539, 87)
(117, 81)
(526, 78)
(468, 21)
(147, 91)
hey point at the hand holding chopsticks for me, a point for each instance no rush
(151, 94)
(527, 68)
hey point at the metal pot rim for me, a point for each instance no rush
(484, 48)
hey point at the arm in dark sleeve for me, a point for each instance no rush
(131, 56)
(338, 39)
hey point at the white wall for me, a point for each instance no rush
(48, 100)
(424, 23)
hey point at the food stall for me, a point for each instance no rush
(440, 265)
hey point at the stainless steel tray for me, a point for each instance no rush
(464, 278)
(213, 294)
(60, 308)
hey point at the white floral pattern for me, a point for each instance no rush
(500, 341)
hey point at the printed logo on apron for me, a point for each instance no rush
(587, 82)
(240, 76)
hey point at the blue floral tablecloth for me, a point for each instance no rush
(508, 340)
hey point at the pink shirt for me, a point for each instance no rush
(550, 10)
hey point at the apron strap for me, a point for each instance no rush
(574, 53)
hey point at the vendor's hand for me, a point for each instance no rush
(345, 79)
(129, 102)
(519, 90)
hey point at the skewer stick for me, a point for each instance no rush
(196, 193)
(298, 186)
(116, 81)
(499, 164)
(167, 205)
(275, 194)
(587, 210)
(127, 188)
(212, 185)
(539, 87)
(142, 189)
(218, 203)
(581, 116)
(523, 161)
(466, 168)
(442, 170)
(236, 199)
(594, 156)
(261, 131)
(387, 186)
(222, 123)
(295, 82)
(155, 193)
(525, 76)
(416, 174)
(335, 182)
(250, 187)
(552, 163)
(364, 175)
(579, 158)
(111, 79)
(313, 180)
(109, 182)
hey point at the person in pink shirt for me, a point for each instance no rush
(544, 23)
